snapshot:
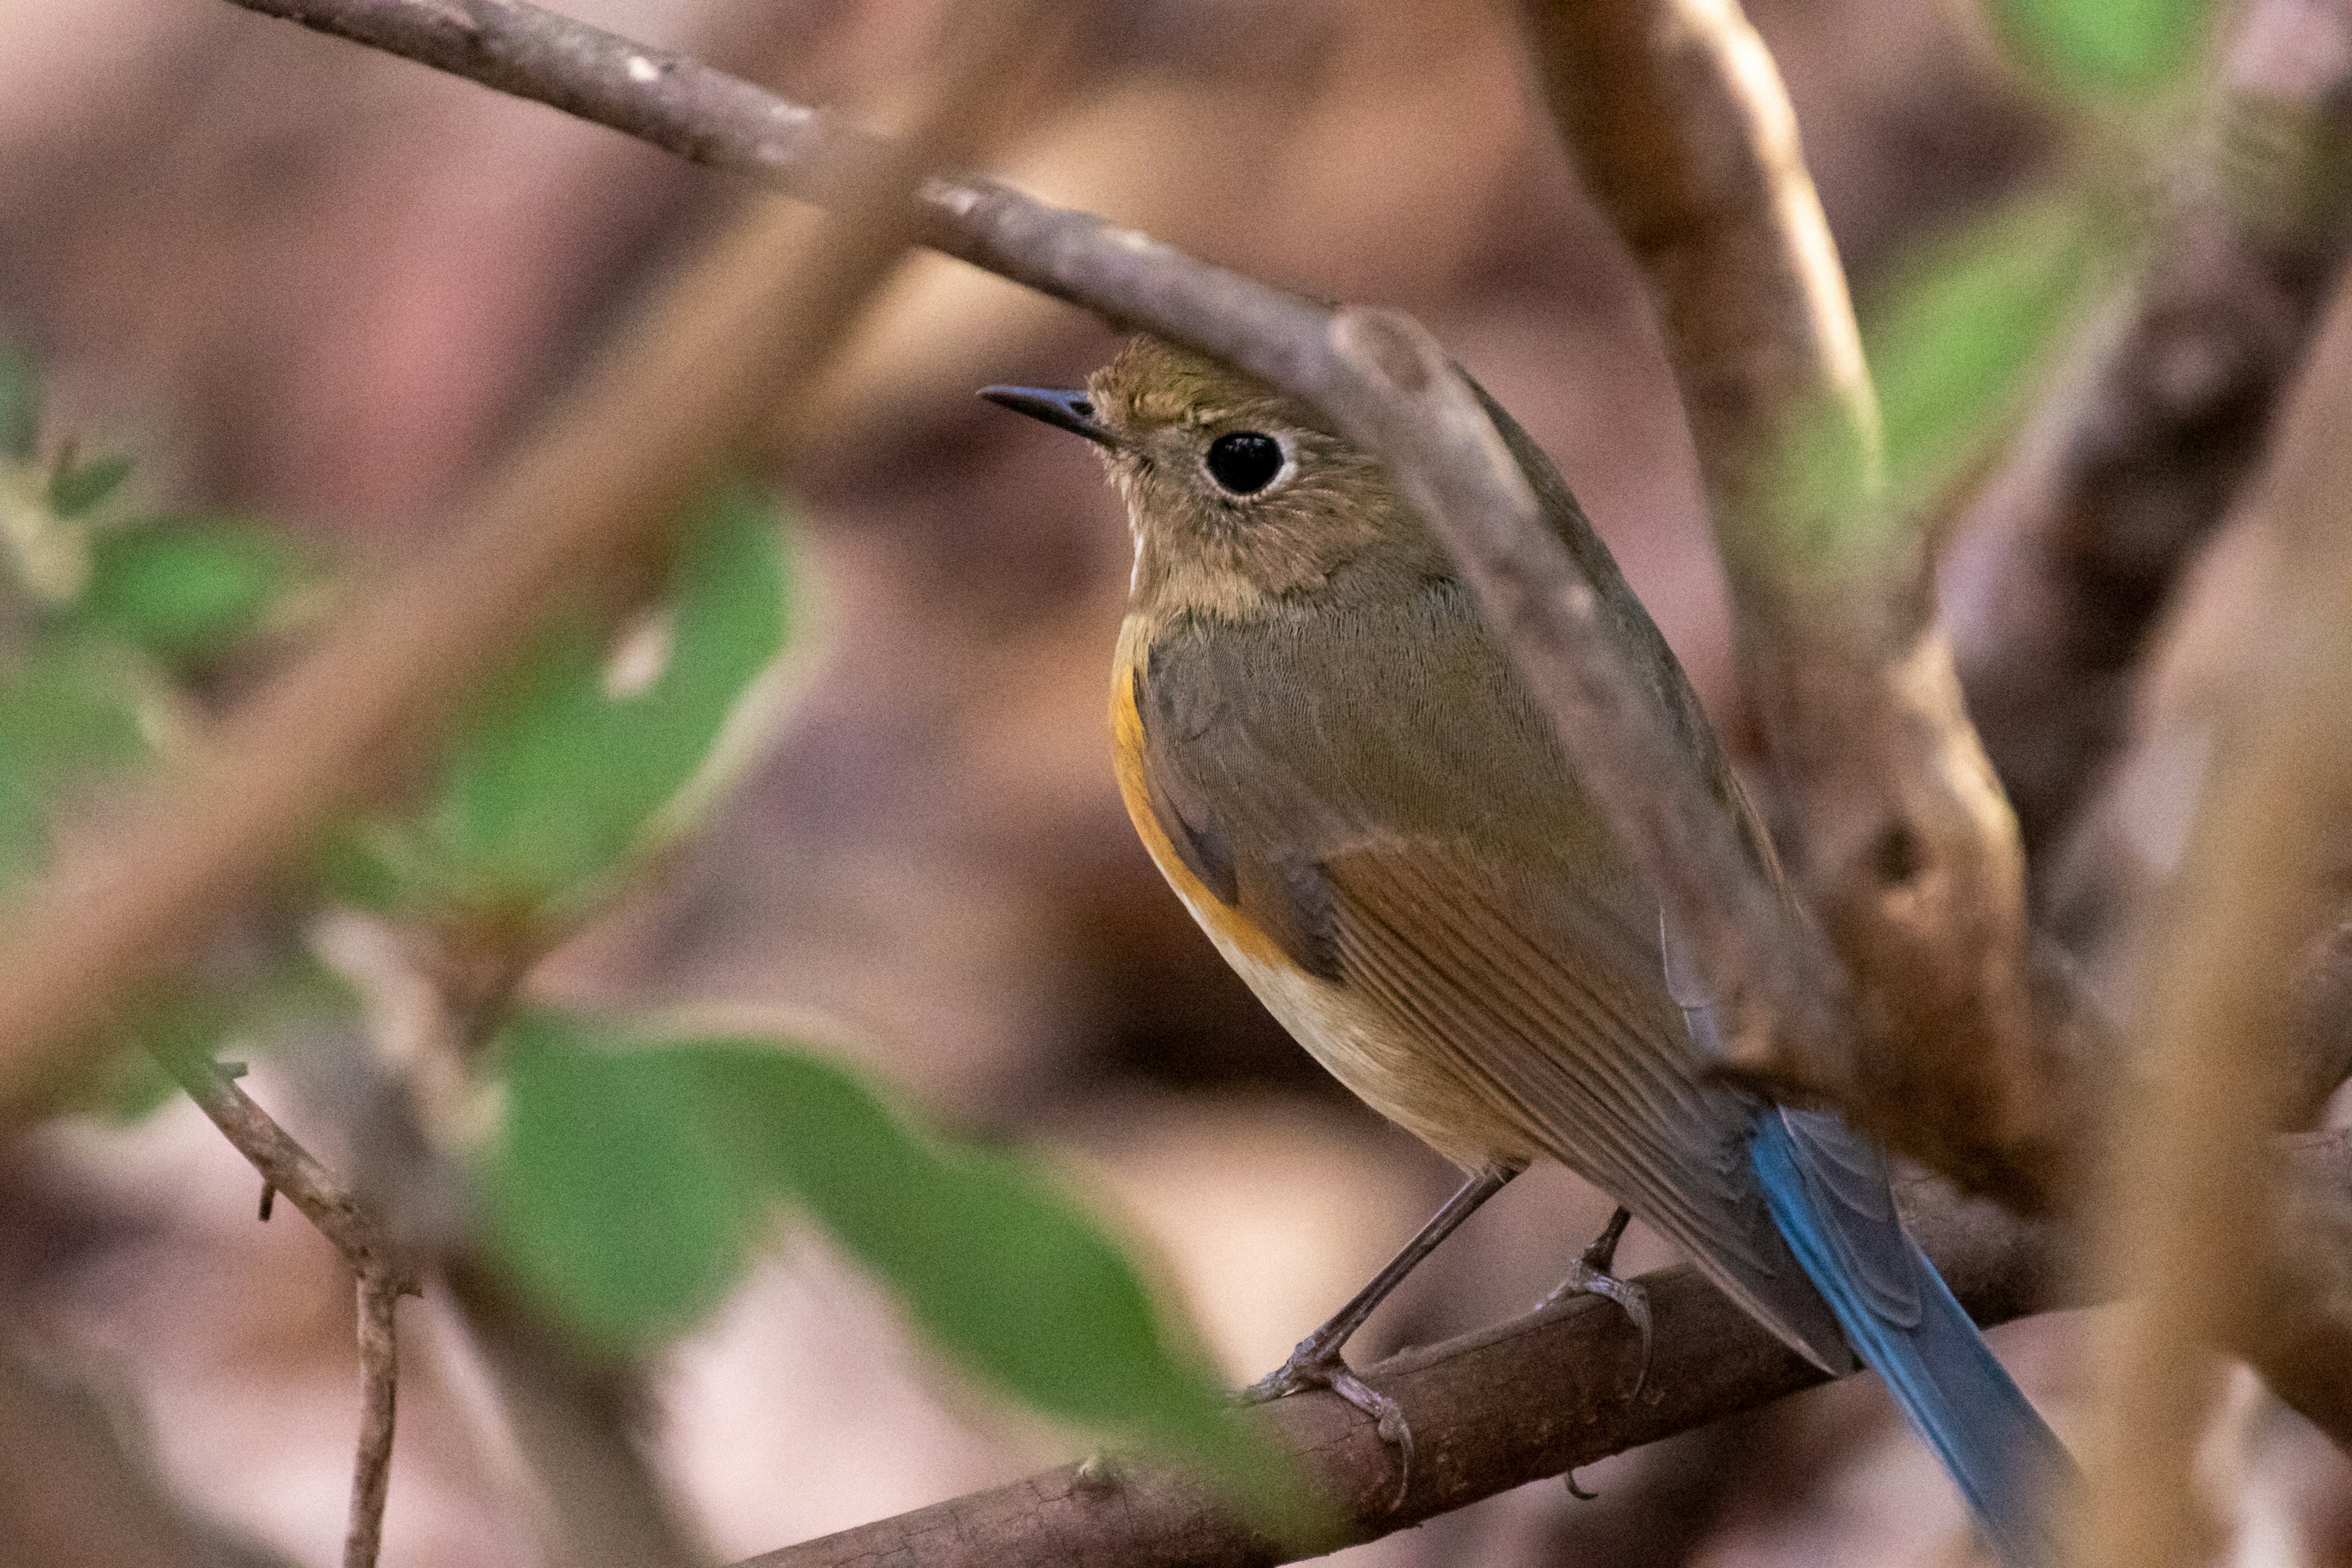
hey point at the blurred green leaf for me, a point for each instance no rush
(183, 591)
(1966, 329)
(76, 489)
(997, 1266)
(624, 1163)
(134, 1088)
(2112, 48)
(609, 1194)
(1955, 343)
(20, 404)
(71, 708)
(557, 780)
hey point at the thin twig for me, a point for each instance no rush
(381, 1269)
(290, 1169)
(379, 1393)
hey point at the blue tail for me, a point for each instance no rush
(1828, 1195)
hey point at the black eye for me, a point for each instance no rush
(1245, 461)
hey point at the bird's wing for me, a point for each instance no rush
(1554, 1013)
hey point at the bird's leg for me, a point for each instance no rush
(1590, 1277)
(1317, 1363)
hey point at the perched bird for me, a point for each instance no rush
(1341, 774)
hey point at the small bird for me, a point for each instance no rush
(1341, 774)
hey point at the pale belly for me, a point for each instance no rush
(1362, 1045)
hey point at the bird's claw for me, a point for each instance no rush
(1312, 1366)
(1587, 1277)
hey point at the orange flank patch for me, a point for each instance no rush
(1233, 932)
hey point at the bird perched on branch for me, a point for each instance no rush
(1339, 772)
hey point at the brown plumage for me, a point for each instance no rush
(1342, 776)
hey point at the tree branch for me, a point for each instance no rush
(2184, 1192)
(383, 1272)
(291, 1169)
(1897, 832)
(1535, 1397)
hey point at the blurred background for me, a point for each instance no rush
(309, 283)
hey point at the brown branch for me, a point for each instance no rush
(1493, 1410)
(1536, 1397)
(1898, 834)
(2185, 1191)
(209, 839)
(2060, 569)
(379, 1397)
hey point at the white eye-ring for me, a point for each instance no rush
(1247, 462)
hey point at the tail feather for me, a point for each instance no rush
(2004, 1460)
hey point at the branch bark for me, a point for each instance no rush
(1897, 831)
(379, 1401)
(380, 1268)
(1535, 1397)
(1538, 1396)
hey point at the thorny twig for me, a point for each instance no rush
(382, 1273)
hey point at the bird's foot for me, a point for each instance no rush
(1589, 1276)
(1314, 1365)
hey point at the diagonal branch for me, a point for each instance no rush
(1535, 1397)
(1898, 834)
(1381, 379)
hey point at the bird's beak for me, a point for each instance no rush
(1064, 410)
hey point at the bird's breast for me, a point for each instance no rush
(1358, 1042)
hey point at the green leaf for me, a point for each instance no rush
(2112, 49)
(72, 707)
(557, 781)
(1956, 344)
(628, 1175)
(23, 821)
(20, 404)
(609, 1194)
(185, 591)
(1966, 330)
(78, 489)
(69, 709)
